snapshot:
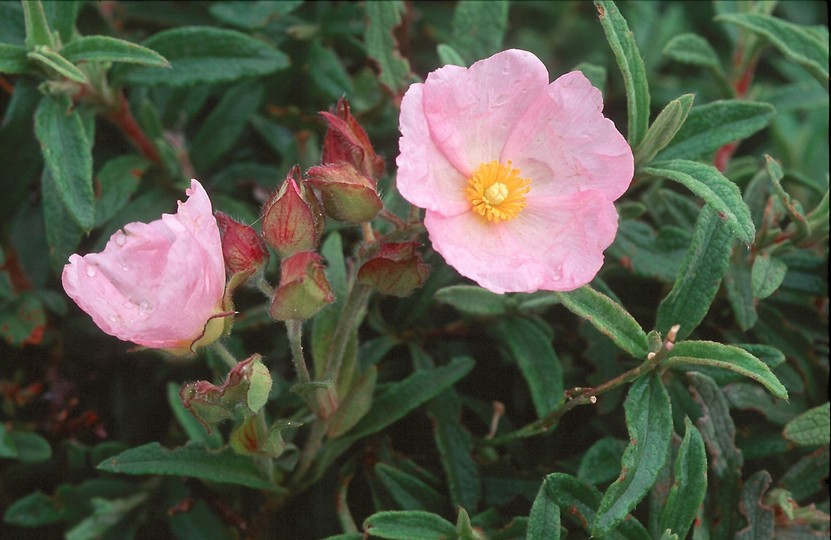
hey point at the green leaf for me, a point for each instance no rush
(354, 405)
(30, 447)
(13, 59)
(699, 276)
(689, 48)
(544, 520)
(118, 179)
(37, 27)
(449, 56)
(690, 484)
(737, 283)
(199, 54)
(472, 300)
(760, 517)
(106, 516)
(478, 28)
(63, 234)
(807, 476)
(717, 191)
(55, 61)
(647, 253)
(663, 129)
(580, 499)
(252, 15)
(775, 174)
(711, 126)
(407, 490)
(607, 316)
(110, 49)
(622, 43)
(687, 354)
(381, 46)
(223, 127)
(399, 398)
(649, 421)
(810, 428)
(535, 356)
(594, 73)
(327, 72)
(194, 460)
(408, 525)
(601, 462)
(67, 152)
(719, 433)
(767, 274)
(793, 40)
(62, 16)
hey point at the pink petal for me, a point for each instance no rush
(155, 284)
(425, 177)
(564, 144)
(554, 244)
(471, 112)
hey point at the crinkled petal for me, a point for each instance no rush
(425, 177)
(554, 244)
(155, 284)
(471, 112)
(564, 144)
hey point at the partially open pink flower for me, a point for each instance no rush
(156, 284)
(517, 176)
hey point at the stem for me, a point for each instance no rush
(294, 329)
(264, 287)
(355, 302)
(224, 353)
(585, 396)
(122, 117)
(310, 448)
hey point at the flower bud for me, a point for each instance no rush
(303, 289)
(242, 248)
(348, 195)
(292, 218)
(396, 269)
(346, 141)
(245, 391)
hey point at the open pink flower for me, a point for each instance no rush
(517, 176)
(156, 284)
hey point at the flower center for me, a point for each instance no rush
(497, 192)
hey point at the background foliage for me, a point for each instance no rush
(474, 415)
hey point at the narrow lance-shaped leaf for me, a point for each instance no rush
(689, 354)
(726, 460)
(544, 520)
(408, 525)
(622, 43)
(37, 27)
(760, 517)
(692, 49)
(699, 276)
(537, 361)
(690, 484)
(711, 126)
(766, 275)
(775, 174)
(110, 49)
(382, 18)
(794, 41)
(717, 191)
(810, 428)
(580, 500)
(51, 59)
(478, 28)
(663, 129)
(649, 421)
(13, 59)
(609, 317)
(67, 152)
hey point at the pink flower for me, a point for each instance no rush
(157, 284)
(517, 176)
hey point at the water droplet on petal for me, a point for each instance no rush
(113, 318)
(506, 70)
(91, 270)
(128, 304)
(145, 308)
(120, 238)
(557, 271)
(125, 267)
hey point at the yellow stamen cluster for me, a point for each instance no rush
(497, 191)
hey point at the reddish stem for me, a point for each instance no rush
(123, 118)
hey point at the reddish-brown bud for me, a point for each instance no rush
(346, 141)
(303, 289)
(292, 217)
(396, 269)
(348, 195)
(242, 248)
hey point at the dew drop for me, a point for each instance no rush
(113, 318)
(124, 267)
(120, 238)
(557, 271)
(128, 304)
(506, 70)
(91, 270)
(145, 308)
